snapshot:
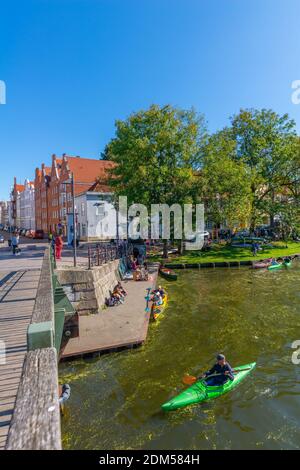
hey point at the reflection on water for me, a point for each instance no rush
(251, 316)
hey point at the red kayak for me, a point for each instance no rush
(262, 264)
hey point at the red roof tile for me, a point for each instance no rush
(20, 187)
(88, 170)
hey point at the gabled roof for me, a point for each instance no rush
(20, 187)
(47, 170)
(99, 187)
(88, 170)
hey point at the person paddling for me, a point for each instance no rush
(222, 368)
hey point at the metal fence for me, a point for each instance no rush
(103, 253)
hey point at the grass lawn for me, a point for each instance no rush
(219, 253)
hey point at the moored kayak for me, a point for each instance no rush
(287, 263)
(275, 266)
(200, 392)
(262, 264)
(168, 273)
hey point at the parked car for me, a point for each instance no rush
(2, 239)
(30, 233)
(39, 234)
(201, 237)
(242, 234)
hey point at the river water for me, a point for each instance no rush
(251, 316)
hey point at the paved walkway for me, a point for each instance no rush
(19, 277)
(115, 327)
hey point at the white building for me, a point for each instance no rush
(95, 214)
(10, 213)
(27, 206)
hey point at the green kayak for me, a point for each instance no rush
(200, 392)
(286, 263)
(275, 266)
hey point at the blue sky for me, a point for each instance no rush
(72, 67)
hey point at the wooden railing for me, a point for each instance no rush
(36, 418)
(104, 252)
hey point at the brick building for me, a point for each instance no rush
(54, 191)
(41, 183)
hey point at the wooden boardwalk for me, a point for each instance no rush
(17, 296)
(114, 328)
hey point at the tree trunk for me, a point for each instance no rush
(165, 249)
(272, 215)
(253, 215)
(180, 247)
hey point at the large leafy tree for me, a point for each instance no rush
(265, 143)
(157, 155)
(288, 201)
(225, 187)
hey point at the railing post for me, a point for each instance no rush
(89, 257)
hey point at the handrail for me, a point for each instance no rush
(36, 420)
(41, 331)
(102, 253)
(44, 303)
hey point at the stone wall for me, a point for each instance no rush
(87, 288)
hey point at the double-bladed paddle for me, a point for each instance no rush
(147, 309)
(190, 379)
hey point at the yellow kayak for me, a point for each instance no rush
(157, 310)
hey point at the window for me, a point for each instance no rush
(99, 209)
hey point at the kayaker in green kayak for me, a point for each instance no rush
(223, 372)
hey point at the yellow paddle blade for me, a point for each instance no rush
(189, 379)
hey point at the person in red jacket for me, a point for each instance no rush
(58, 246)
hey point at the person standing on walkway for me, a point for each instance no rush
(255, 247)
(58, 246)
(15, 243)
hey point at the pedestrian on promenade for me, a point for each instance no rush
(50, 237)
(58, 246)
(15, 243)
(255, 247)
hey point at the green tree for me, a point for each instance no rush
(265, 144)
(225, 187)
(157, 152)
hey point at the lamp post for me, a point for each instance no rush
(74, 221)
